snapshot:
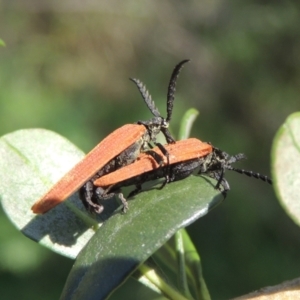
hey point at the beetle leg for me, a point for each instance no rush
(86, 194)
(168, 136)
(167, 180)
(124, 202)
(137, 189)
(103, 194)
(156, 157)
(221, 182)
(164, 152)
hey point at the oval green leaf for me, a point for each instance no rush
(187, 122)
(30, 162)
(125, 241)
(285, 165)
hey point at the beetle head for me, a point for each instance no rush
(158, 123)
(218, 161)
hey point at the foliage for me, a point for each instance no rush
(286, 158)
(42, 157)
(66, 68)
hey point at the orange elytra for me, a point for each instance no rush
(182, 151)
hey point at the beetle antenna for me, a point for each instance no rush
(146, 96)
(251, 174)
(172, 88)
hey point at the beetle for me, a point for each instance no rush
(120, 148)
(211, 162)
(182, 151)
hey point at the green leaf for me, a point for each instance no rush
(30, 162)
(132, 285)
(125, 241)
(181, 265)
(187, 123)
(2, 43)
(151, 275)
(285, 166)
(193, 265)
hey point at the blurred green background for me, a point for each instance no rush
(65, 67)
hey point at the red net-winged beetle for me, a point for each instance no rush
(207, 160)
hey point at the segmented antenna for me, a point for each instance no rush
(234, 158)
(251, 174)
(172, 88)
(146, 96)
(225, 162)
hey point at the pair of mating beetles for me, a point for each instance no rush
(126, 157)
